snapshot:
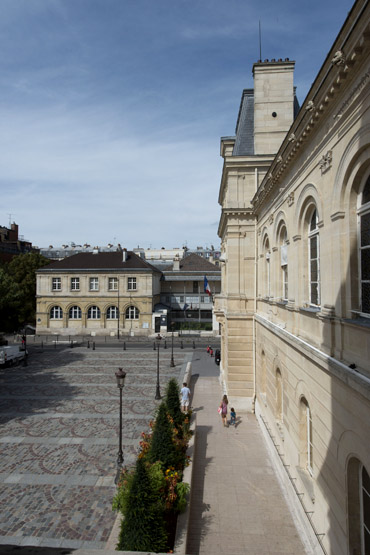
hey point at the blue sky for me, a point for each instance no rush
(112, 110)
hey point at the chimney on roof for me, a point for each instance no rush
(124, 255)
(176, 263)
(95, 250)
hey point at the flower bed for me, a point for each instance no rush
(152, 493)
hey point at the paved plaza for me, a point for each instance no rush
(59, 440)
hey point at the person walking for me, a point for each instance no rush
(185, 397)
(223, 407)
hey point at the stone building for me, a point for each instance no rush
(12, 244)
(295, 302)
(97, 293)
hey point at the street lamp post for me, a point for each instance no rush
(172, 361)
(158, 391)
(120, 377)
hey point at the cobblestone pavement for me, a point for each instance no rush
(59, 441)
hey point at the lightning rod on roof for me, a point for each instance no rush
(260, 40)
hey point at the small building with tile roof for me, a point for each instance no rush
(97, 293)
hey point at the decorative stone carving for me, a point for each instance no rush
(271, 219)
(290, 199)
(353, 94)
(310, 106)
(326, 161)
(339, 58)
(279, 159)
(292, 138)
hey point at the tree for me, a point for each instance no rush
(173, 404)
(162, 446)
(18, 290)
(143, 528)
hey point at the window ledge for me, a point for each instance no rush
(359, 321)
(307, 482)
(310, 309)
(282, 302)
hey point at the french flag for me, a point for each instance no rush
(207, 288)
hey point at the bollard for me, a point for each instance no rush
(182, 346)
(88, 344)
(93, 345)
(165, 344)
(154, 346)
(42, 345)
(55, 344)
(193, 344)
(124, 345)
(72, 344)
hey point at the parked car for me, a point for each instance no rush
(217, 356)
(10, 355)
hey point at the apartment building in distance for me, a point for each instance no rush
(294, 308)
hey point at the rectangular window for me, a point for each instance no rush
(113, 284)
(131, 284)
(56, 284)
(75, 284)
(94, 284)
(195, 286)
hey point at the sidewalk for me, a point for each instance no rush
(238, 506)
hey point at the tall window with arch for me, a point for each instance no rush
(358, 494)
(314, 260)
(283, 241)
(267, 268)
(279, 396)
(132, 313)
(306, 442)
(364, 247)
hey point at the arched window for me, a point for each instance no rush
(267, 271)
(75, 313)
(132, 313)
(364, 247)
(263, 372)
(283, 242)
(93, 313)
(112, 313)
(358, 493)
(314, 260)
(306, 444)
(279, 396)
(56, 313)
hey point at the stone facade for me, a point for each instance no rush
(97, 294)
(295, 300)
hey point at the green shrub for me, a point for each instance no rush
(143, 528)
(162, 445)
(173, 404)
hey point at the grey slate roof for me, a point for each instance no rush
(244, 132)
(193, 267)
(244, 141)
(100, 261)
